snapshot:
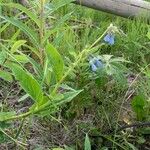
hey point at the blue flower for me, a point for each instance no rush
(98, 63)
(110, 39)
(93, 67)
(95, 64)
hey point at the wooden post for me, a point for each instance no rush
(124, 8)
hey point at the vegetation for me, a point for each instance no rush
(72, 78)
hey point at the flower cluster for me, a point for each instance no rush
(95, 63)
(110, 36)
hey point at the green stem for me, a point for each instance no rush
(24, 115)
(79, 58)
(17, 142)
(124, 99)
(20, 128)
(114, 142)
(42, 22)
(99, 39)
(77, 61)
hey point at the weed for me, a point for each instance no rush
(71, 79)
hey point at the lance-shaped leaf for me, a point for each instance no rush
(17, 45)
(29, 32)
(138, 104)
(66, 97)
(6, 115)
(55, 60)
(28, 83)
(58, 4)
(87, 144)
(6, 75)
(28, 12)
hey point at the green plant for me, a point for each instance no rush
(43, 84)
(47, 48)
(41, 70)
(139, 106)
(87, 144)
(50, 61)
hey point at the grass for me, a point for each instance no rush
(106, 103)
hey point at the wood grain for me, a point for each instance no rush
(124, 8)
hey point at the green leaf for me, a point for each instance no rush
(6, 76)
(58, 4)
(15, 35)
(28, 83)
(104, 148)
(46, 77)
(57, 101)
(63, 20)
(2, 57)
(21, 58)
(119, 59)
(24, 97)
(131, 146)
(6, 115)
(58, 149)
(148, 34)
(55, 60)
(4, 124)
(23, 9)
(28, 31)
(141, 140)
(145, 131)
(36, 66)
(138, 104)
(87, 144)
(66, 87)
(69, 148)
(56, 26)
(16, 45)
(66, 97)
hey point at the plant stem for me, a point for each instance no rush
(81, 56)
(24, 115)
(78, 59)
(124, 99)
(41, 30)
(17, 142)
(20, 128)
(114, 142)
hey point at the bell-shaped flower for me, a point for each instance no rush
(110, 39)
(93, 67)
(95, 63)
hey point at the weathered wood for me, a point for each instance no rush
(124, 8)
